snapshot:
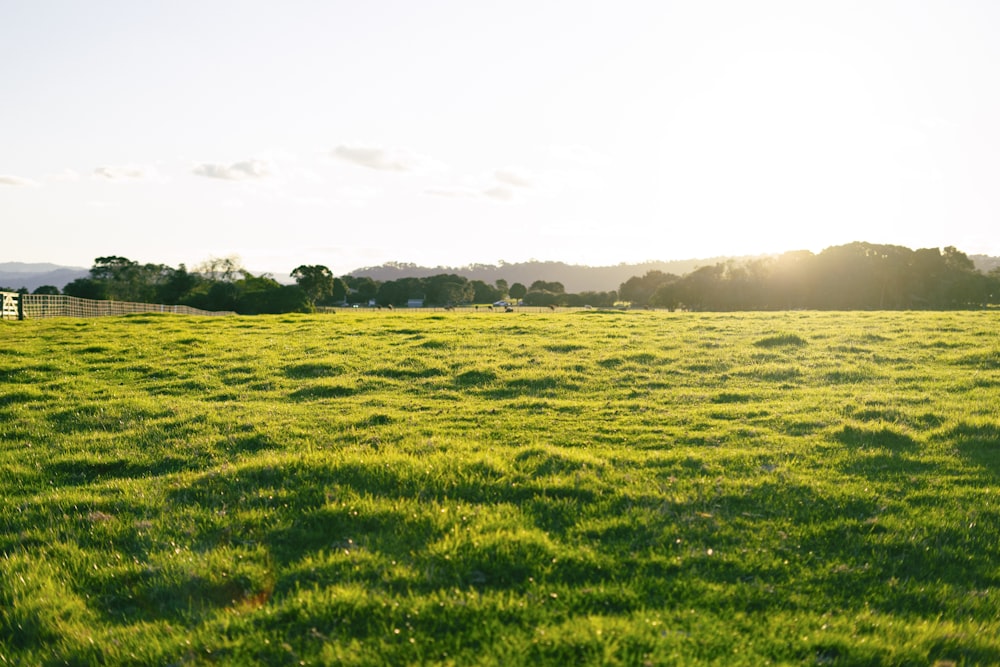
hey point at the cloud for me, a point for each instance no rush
(125, 173)
(17, 181)
(237, 171)
(515, 177)
(384, 159)
(500, 193)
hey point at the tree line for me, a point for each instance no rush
(847, 277)
(855, 276)
(224, 285)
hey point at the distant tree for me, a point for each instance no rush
(590, 298)
(667, 295)
(362, 289)
(543, 298)
(125, 280)
(964, 285)
(700, 289)
(502, 287)
(790, 280)
(992, 288)
(221, 295)
(178, 284)
(391, 293)
(399, 292)
(638, 291)
(86, 288)
(340, 291)
(517, 291)
(120, 276)
(112, 268)
(447, 289)
(225, 269)
(543, 286)
(483, 293)
(316, 281)
(262, 295)
(47, 289)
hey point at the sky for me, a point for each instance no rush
(451, 132)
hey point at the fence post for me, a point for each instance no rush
(20, 306)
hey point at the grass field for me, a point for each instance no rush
(613, 488)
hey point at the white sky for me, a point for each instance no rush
(350, 133)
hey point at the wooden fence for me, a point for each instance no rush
(39, 306)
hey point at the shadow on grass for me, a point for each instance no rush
(729, 397)
(84, 471)
(886, 437)
(405, 373)
(474, 378)
(114, 418)
(321, 391)
(886, 467)
(988, 360)
(16, 397)
(533, 386)
(539, 461)
(781, 340)
(979, 443)
(313, 370)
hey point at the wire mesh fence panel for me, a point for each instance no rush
(38, 306)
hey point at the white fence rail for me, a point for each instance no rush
(39, 306)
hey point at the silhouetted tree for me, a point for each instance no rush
(86, 288)
(638, 291)
(178, 284)
(316, 281)
(483, 293)
(447, 289)
(399, 292)
(362, 289)
(340, 291)
(554, 287)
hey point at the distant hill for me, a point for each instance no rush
(574, 277)
(15, 275)
(985, 263)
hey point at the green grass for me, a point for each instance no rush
(607, 488)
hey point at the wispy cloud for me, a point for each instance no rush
(17, 181)
(496, 193)
(500, 193)
(125, 173)
(384, 159)
(515, 177)
(237, 171)
(502, 185)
